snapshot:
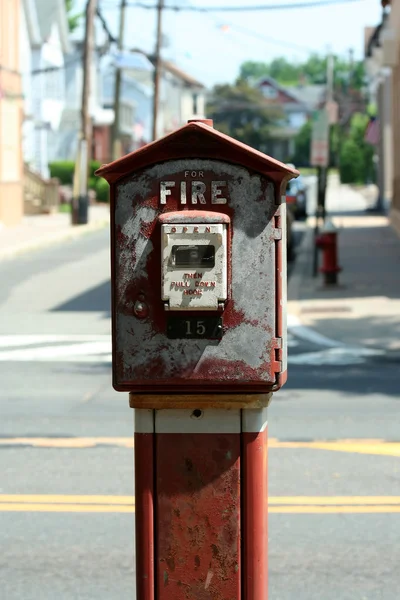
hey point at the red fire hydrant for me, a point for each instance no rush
(327, 242)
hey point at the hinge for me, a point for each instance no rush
(277, 233)
(277, 354)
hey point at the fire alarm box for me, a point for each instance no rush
(198, 242)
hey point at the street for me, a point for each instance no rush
(66, 497)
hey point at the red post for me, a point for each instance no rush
(144, 503)
(201, 504)
(255, 503)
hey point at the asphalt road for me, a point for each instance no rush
(65, 435)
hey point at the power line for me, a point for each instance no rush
(259, 7)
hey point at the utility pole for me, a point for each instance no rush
(157, 67)
(322, 169)
(115, 150)
(80, 199)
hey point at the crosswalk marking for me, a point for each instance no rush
(97, 349)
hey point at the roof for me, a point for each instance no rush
(188, 79)
(309, 95)
(197, 140)
(50, 12)
(276, 85)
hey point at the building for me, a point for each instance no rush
(45, 50)
(390, 48)
(11, 103)
(181, 97)
(297, 104)
(380, 94)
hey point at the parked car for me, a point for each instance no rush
(289, 233)
(296, 197)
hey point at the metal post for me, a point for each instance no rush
(115, 150)
(201, 503)
(80, 200)
(157, 68)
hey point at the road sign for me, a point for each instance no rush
(320, 139)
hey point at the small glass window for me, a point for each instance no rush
(195, 256)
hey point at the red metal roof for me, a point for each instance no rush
(196, 140)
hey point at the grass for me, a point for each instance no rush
(64, 208)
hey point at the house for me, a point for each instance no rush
(44, 57)
(181, 97)
(383, 65)
(11, 163)
(70, 119)
(136, 101)
(379, 92)
(297, 104)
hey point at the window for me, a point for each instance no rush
(269, 92)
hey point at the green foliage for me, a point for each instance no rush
(102, 190)
(94, 165)
(73, 19)
(242, 112)
(356, 155)
(63, 170)
(302, 144)
(312, 71)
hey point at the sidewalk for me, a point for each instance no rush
(364, 309)
(43, 230)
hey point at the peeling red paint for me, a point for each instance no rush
(155, 362)
(198, 515)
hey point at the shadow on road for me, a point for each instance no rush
(97, 299)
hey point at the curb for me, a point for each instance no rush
(53, 238)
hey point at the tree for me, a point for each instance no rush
(251, 71)
(356, 155)
(313, 71)
(73, 18)
(241, 111)
(302, 145)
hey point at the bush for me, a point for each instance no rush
(102, 191)
(351, 163)
(356, 155)
(64, 171)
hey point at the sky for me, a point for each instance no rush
(211, 46)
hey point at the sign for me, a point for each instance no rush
(320, 139)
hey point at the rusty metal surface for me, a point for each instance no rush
(225, 401)
(255, 515)
(144, 515)
(198, 516)
(197, 140)
(144, 358)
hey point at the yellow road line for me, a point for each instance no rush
(67, 508)
(360, 446)
(73, 442)
(357, 446)
(97, 508)
(66, 499)
(333, 509)
(126, 504)
(334, 500)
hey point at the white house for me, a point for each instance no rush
(44, 55)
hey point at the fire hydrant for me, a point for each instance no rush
(327, 242)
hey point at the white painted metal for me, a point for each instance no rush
(197, 421)
(254, 420)
(199, 288)
(144, 420)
